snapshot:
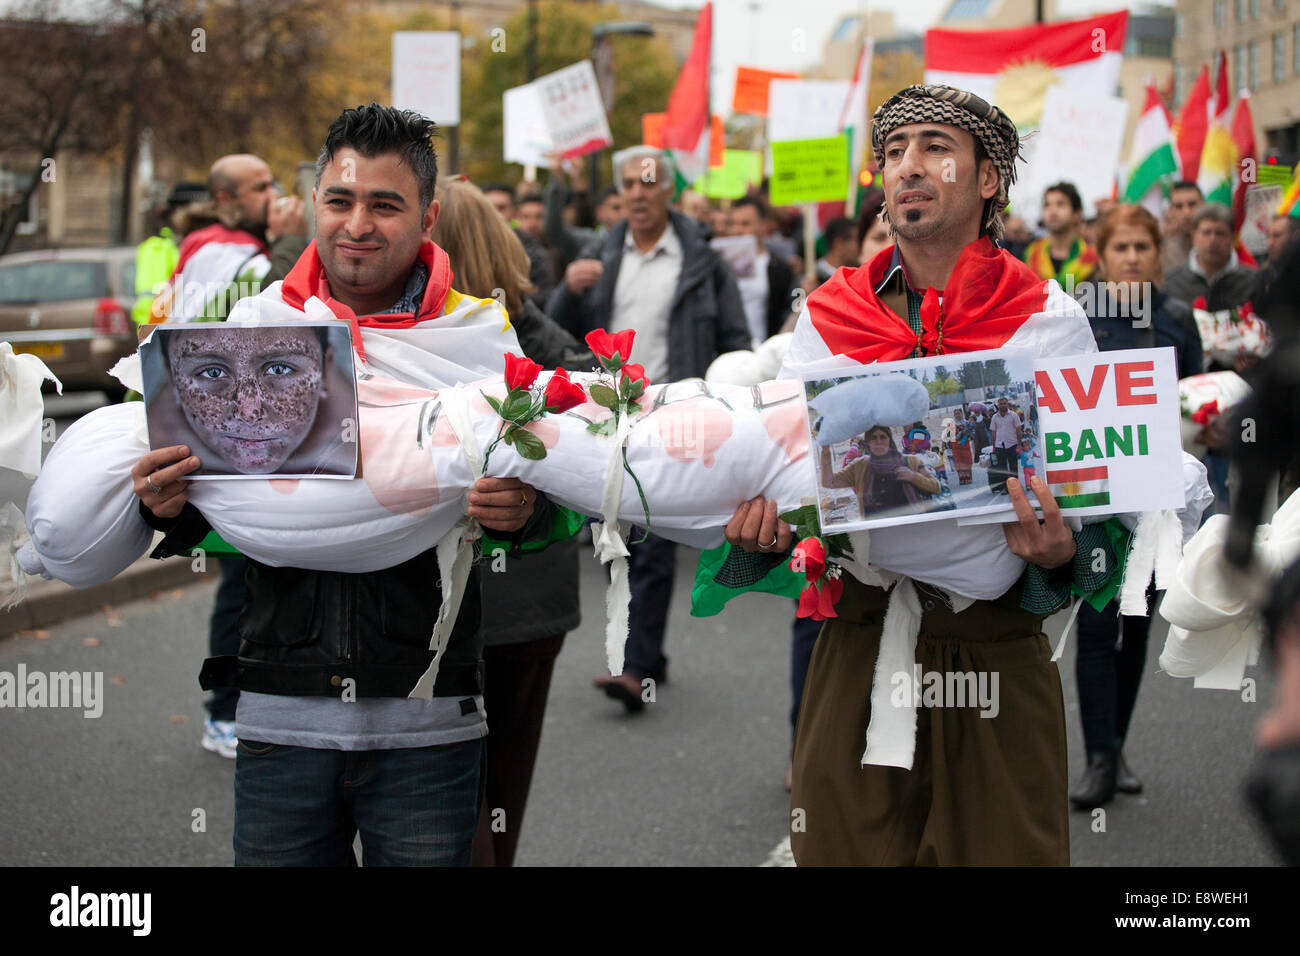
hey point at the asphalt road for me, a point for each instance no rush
(695, 779)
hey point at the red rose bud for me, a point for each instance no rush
(809, 558)
(562, 393)
(612, 350)
(808, 601)
(634, 380)
(830, 594)
(520, 372)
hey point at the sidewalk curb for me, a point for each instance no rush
(49, 602)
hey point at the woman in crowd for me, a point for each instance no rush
(960, 444)
(885, 479)
(1127, 310)
(531, 601)
(873, 233)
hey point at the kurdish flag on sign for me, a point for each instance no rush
(1080, 487)
(1014, 68)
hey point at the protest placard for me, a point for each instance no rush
(1261, 203)
(740, 169)
(805, 109)
(809, 170)
(751, 93)
(652, 129)
(900, 442)
(426, 75)
(526, 137)
(1110, 423)
(1078, 141)
(254, 400)
(574, 112)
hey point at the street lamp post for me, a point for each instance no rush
(602, 60)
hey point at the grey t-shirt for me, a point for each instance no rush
(369, 723)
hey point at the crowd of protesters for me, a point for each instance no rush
(698, 277)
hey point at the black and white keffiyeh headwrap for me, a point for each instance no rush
(945, 104)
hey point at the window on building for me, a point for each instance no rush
(1218, 12)
(1179, 88)
(1254, 9)
(1240, 9)
(1279, 54)
(1253, 80)
(1238, 67)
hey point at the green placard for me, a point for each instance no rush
(810, 170)
(740, 169)
(1273, 174)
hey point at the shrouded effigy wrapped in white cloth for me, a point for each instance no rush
(1214, 630)
(698, 451)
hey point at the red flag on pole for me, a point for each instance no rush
(1243, 137)
(1193, 124)
(688, 107)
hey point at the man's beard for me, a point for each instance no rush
(913, 229)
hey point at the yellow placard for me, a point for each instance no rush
(809, 170)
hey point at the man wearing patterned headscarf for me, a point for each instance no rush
(941, 780)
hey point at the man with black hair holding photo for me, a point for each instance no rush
(331, 740)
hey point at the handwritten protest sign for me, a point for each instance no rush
(751, 94)
(1078, 141)
(574, 111)
(740, 169)
(809, 170)
(426, 75)
(1261, 202)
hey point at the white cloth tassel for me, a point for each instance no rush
(455, 556)
(456, 548)
(1069, 623)
(618, 598)
(607, 539)
(891, 733)
(1140, 566)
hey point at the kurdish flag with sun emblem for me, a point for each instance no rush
(1080, 487)
(1014, 68)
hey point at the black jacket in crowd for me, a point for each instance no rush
(1171, 324)
(707, 316)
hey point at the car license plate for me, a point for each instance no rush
(45, 350)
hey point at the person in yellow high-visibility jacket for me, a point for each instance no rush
(156, 257)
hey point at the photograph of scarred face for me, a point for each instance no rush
(254, 400)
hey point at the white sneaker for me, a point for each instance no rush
(219, 736)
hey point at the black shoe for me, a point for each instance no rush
(1097, 785)
(1126, 780)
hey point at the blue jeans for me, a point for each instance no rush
(299, 806)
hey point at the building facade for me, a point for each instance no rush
(1262, 41)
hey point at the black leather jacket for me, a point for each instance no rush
(304, 632)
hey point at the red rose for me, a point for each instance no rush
(612, 350)
(1199, 303)
(809, 558)
(562, 393)
(830, 594)
(808, 600)
(520, 372)
(634, 380)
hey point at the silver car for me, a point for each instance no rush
(72, 309)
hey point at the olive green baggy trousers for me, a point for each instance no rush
(987, 791)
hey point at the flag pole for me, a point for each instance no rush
(810, 242)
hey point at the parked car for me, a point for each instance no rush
(72, 308)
